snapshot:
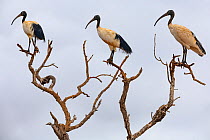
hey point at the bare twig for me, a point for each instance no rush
(54, 118)
(111, 82)
(79, 87)
(155, 52)
(160, 60)
(53, 64)
(22, 50)
(97, 77)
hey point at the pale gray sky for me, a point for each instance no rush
(25, 109)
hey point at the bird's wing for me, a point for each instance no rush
(199, 44)
(38, 32)
(108, 36)
(123, 44)
(183, 35)
(113, 39)
(188, 39)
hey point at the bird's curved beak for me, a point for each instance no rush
(16, 18)
(89, 22)
(166, 14)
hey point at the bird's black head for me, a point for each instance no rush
(169, 12)
(23, 13)
(96, 17)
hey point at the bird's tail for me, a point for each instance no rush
(38, 32)
(199, 45)
(123, 44)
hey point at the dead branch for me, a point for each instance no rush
(160, 60)
(163, 109)
(155, 52)
(79, 87)
(100, 75)
(59, 128)
(24, 51)
(161, 112)
(111, 82)
(178, 64)
(123, 98)
(47, 79)
(97, 102)
(86, 118)
(53, 64)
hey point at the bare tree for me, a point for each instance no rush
(163, 109)
(61, 129)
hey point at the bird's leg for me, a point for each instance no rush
(184, 55)
(35, 47)
(110, 60)
(35, 41)
(29, 44)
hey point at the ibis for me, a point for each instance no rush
(184, 36)
(32, 29)
(110, 37)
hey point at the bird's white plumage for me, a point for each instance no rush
(108, 36)
(28, 29)
(185, 37)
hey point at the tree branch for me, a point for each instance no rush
(59, 128)
(35, 77)
(123, 109)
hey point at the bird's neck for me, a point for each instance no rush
(24, 17)
(171, 18)
(98, 23)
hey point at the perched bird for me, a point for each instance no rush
(184, 36)
(31, 29)
(111, 38)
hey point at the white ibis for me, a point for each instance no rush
(31, 29)
(184, 36)
(111, 38)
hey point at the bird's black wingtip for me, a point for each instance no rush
(199, 45)
(123, 44)
(128, 51)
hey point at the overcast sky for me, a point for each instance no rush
(25, 109)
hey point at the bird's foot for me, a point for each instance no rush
(36, 49)
(27, 52)
(183, 63)
(109, 61)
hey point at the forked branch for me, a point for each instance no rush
(123, 98)
(178, 64)
(61, 129)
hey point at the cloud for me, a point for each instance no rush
(25, 109)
